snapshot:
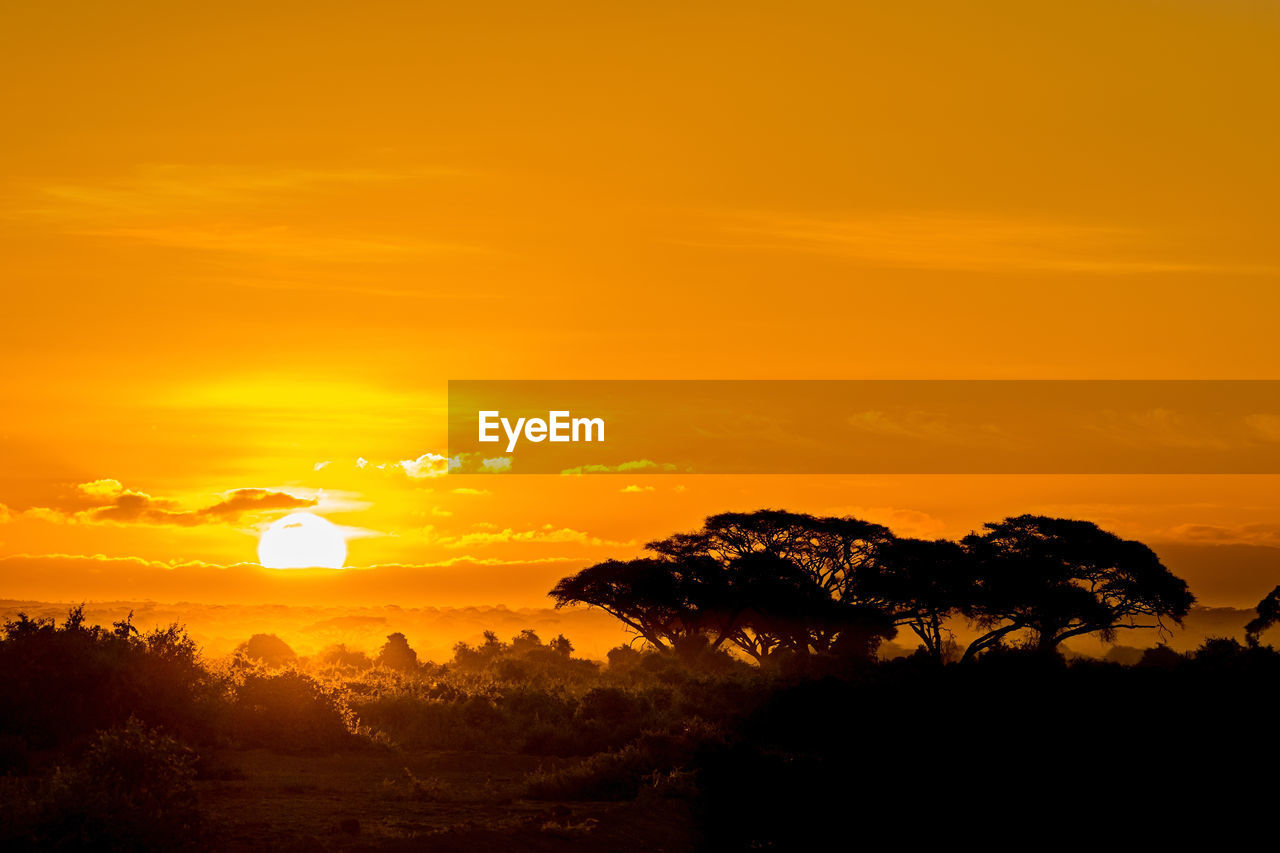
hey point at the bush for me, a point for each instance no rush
(396, 653)
(340, 657)
(61, 683)
(131, 791)
(292, 711)
(526, 659)
(604, 776)
(267, 649)
(661, 761)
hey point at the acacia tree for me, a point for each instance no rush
(1058, 578)
(921, 584)
(825, 557)
(778, 608)
(768, 581)
(666, 601)
(831, 551)
(1268, 614)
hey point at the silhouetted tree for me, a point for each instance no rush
(1057, 578)
(561, 646)
(831, 551)
(817, 584)
(921, 584)
(774, 581)
(662, 599)
(397, 654)
(766, 581)
(775, 605)
(267, 649)
(526, 641)
(779, 608)
(1268, 614)
(339, 655)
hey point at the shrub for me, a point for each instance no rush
(340, 657)
(267, 649)
(604, 776)
(131, 791)
(658, 760)
(526, 659)
(60, 683)
(397, 654)
(1161, 657)
(292, 711)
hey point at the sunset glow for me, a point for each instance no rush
(227, 304)
(638, 426)
(302, 540)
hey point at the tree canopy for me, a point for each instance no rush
(1268, 614)
(775, 584)
(1060, 578)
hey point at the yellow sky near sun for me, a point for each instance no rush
(237, 241)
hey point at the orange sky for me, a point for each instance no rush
(237, 242)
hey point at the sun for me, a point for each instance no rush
(302, 540)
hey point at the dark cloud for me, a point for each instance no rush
(241, 501)
(108, 501)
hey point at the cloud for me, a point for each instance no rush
(903, 522)
(454, 580)
(426, 465)
(1157, 427)
(545, 534)
(163, 189)
(1262, 533)
(961, 242)
(100, 488)
(320, 466)
(633, 489)
(242, 501)
(928, 426)
(636, 467)
(474, 561)
(474, 463)
(109, 502)
(468, 491)
(1266, 427)
(278, 242)
(97, 561)
(233, 210)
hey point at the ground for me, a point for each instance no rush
(395, 800)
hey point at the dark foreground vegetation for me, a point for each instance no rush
(116, 740)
